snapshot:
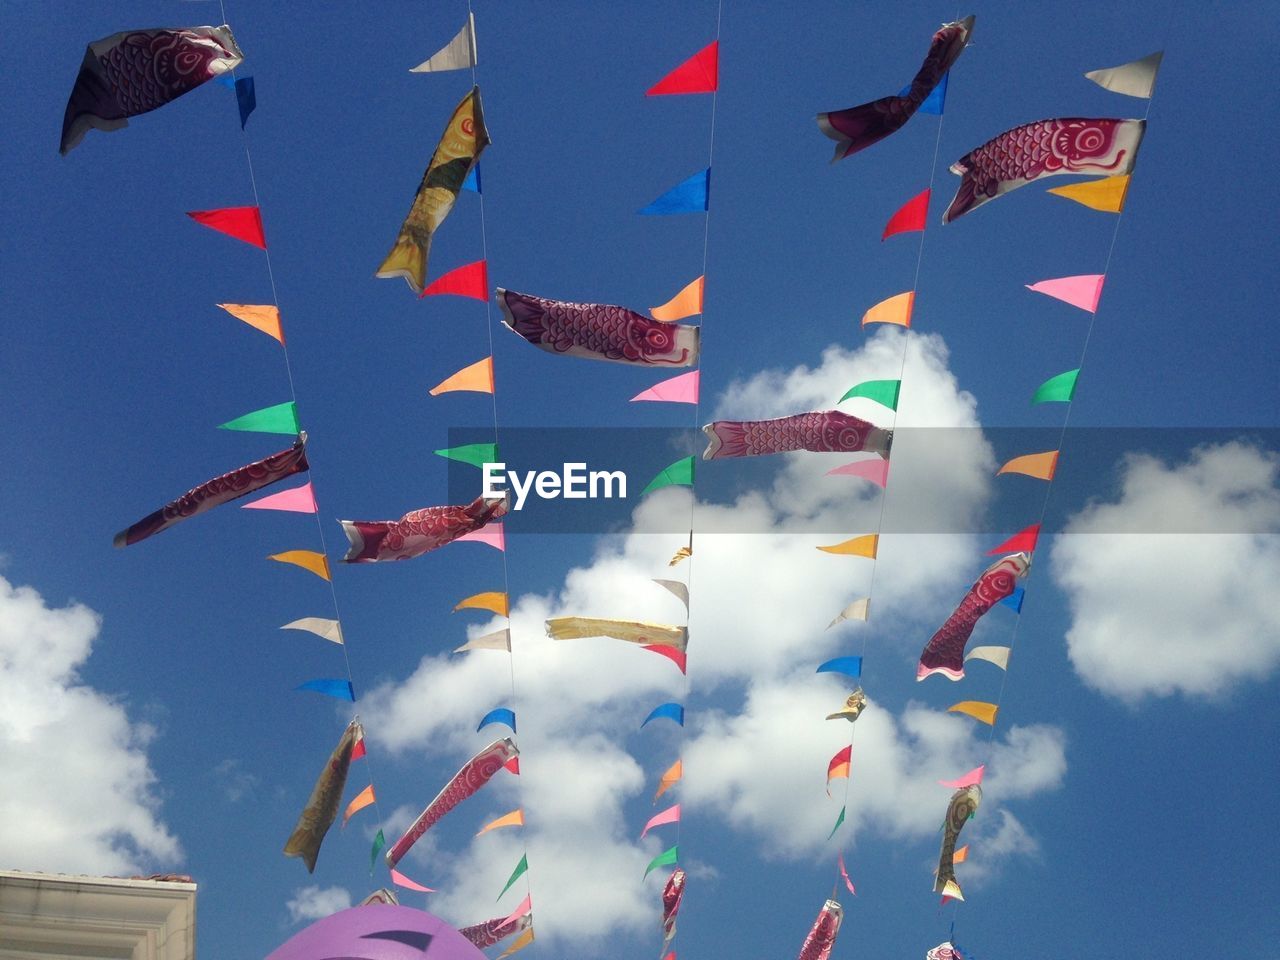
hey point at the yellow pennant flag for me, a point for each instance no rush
(494, 601)
(864, 546)
(982, 712)
(478, 378)
(1039, 465)
(686, 303)
(311, 560)
(513, 819)
(519, 943)
(669, 778)
(896, 309)
(683, 553)
(261, 317)
(362, 800)
(1106, 194)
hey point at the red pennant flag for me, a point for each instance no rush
(513, 765)
(470, 280)
(909, 218)
(1023, 540)
(699, 74)
(358, 750)
(243, 223)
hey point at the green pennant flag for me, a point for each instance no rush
(679, 473)
(378, 843)
(664, 859)
(883, 392)
(839, 820)
(476, 454)
(1061, 388)
(516, 874)
(282, 418)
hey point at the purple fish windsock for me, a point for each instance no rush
(494, 931)
(1046, 148)
(859, 127)
(598, 331)
(827, 431)
(964, 803)
(944, 951)
(136, 71)
(944, 653)
(212, 493)
(418, 531)
(475, 773)
(822, 936)
(322, 807)
(671, 896)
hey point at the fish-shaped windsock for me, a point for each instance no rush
(964, 803)
(418, 531)
(456, 154)
(630, 631)
(598, 331)
(322, 807)
(672, 893)
(828, 431)
(822, 936)
(136, 71)
(859, 127)
(944, 653)
(1046, 148)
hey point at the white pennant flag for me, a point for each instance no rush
(458, 54)
(330, 630)
(498, 640)
(1136, 79)
(854, 611)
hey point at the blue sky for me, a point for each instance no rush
(1128, 811)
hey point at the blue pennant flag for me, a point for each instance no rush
(672, 711)
(934, 102)
(226, 79)
(472, 182)
(1014, 600)
(849, 666)
(245, 98)
(689, 196)
(331, 688)
(498, 715)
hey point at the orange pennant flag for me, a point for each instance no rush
(686, 303)
(1107, 194)
(961, 855)
(478, 378)
(519, 943)
(669, 778)
(362, 800)
(261, 317)
(864, 546)
(493, 601)
(982, 712)
(897, 309)
(513, 819)
(1039, 465)
(311, 560)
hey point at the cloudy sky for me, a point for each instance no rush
(149, 721)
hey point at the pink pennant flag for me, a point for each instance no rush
(1083, 291)
(1024, 541)
(968, 780)
(875, 470)
(845, 874)
(400, 880)
(669, 815)
(671, 653)
(296, 500)
(681, 389)
(469, 280)
(526, 905)
(490, 535)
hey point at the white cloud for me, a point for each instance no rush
(316, 903)
(1155, 614)
(76, 795)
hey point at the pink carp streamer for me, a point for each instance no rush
(475, 773)
(822, 937)
(944, 951)
(418, 531)
(322, 806)
(859, 127)
(944, 653)
(212, 493)
(963, 805)
(134, 72)
(598, 331)
(1046, 148)
(671, 896)
(496, 930)
(829, 431)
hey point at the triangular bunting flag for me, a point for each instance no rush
(379, 841)
(1083, 291)
(478, 378)
(341, 689)
(679, 473)
(669, 779)
(259, 316)
(699, 74)
(684, 553)
(491, 535)
(246, 99)
(686, 303)
(498, 715)
(691, 195)
(875, 470)
(1061, 389)
(857, 610)
(1107, 194)
(243, 223)
(994, 655)
(863, 546)
(1134, 79)
(362, 800)
(526, 905)
(982, 712)
(961, 854)
(839, 820)
(295, 500)
(513, 819)
(516, 874)
(665, 859)
(498, 640)
(458, 54)
(883, 392)
(281, 418)
(358, 750)
(849, 666)
(936, 101)
(470, 280)
(476, 454)
(311, 560)
(400, 880)
(494, 601)
(910, 218)
(1042, 466)
(896, 310)
(968, 780)
(677, 589)
(671, 653)
(670, 711)
(330, 630)
(472, 180)
(681, 389)
(1014, 600)
(842, 758)
(1023, 541)
(844, 874)
(669, 815)
(513, 765)
(519, 943)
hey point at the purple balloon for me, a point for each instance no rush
(378, 932)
